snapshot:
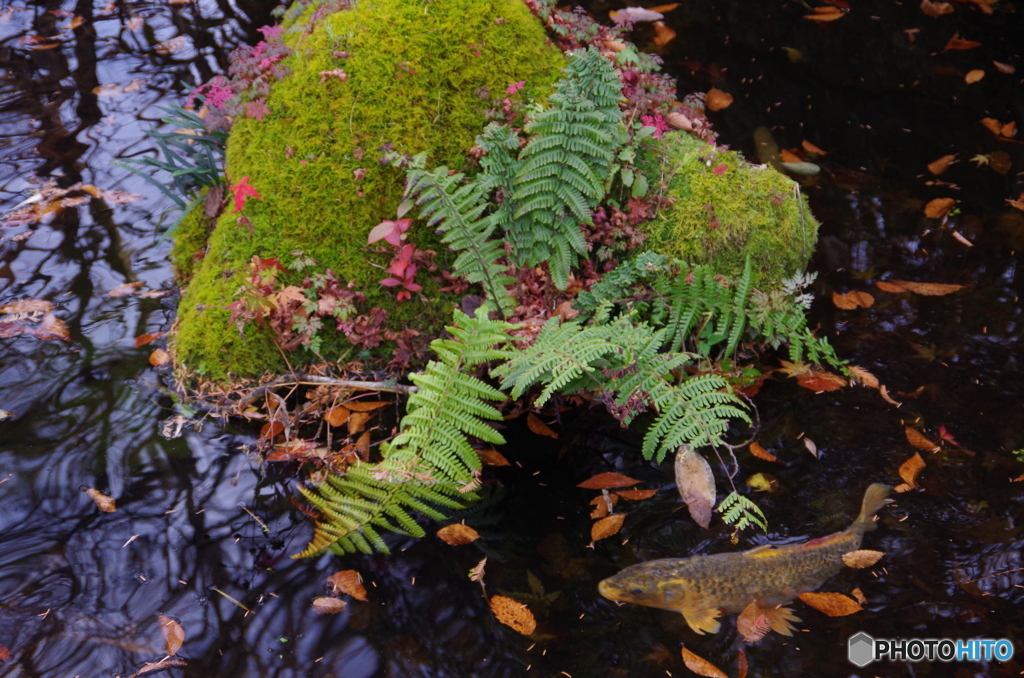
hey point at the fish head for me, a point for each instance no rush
(649, 584)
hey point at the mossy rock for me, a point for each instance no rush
(723, 209)
(418, 76)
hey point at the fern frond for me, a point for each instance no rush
(741, 513)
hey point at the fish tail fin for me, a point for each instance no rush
(875, 498)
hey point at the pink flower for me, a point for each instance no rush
(515, 87)
(257, 109)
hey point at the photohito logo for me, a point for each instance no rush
(862, 649)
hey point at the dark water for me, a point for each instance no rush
(80, 591)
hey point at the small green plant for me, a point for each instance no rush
(741, 513)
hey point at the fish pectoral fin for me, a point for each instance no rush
(703, 621)
(779, 619)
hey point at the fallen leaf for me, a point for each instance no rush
(491, 457)
(677, 120)
(1017, 479)
(884, 392)
(752, 624)
(831, 604)
(103, 502)
(27, 306)
(349, 582)
(821, 381)
(863, 377)
(862, 558)
(958, 43)
(477, 573)
(5, 654)
(918, 440)
(696, 484)
(357, 422)
(811, 447)
(336, 416)
(514, 614)
(1008, 69)
(761, 453)
(1008, 130)
(811, 148)
(126, 289)
(763, 482)
(962, 239)
(458, 534)
(159, 666)
(365, 405)
(701, 666)
(328, 605)
(910, 468)
(634, 15)
(1016, 204)
(149, 338)
(534, 423)
(939, 207)
(892, 287)
(174, 634)
(992, 125)
(607, 526)
(974, 76)
(664, 8)
(852, 300)
(901, 488)
(663, 34)
(716, 99)
(271, 430)
(741, 663)
(159, 358)
(859, 596)
(827, 13)
(935, 9)
(636, 495)
(607, 481)
(929, 289)
(939, 166)
(789, 156)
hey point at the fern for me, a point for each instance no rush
(457, 209)
(430, 461)
(741, 513)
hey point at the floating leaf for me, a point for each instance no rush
(337, 416)
(716, 99)
(974, 76)
(811, 148)
(852, 300)
(634, 15)
(992, 125)
(752, 624)
(858, 595)
(811, 447)
(458, 534)
(939, 207)
(827, 13)
(696, 484)
(862, 558)
(832, 604)
(491, 457)
(174, 634)
(103, 502)
(788, 156)
(701, 666)
(534, 423)
(636, 494)
(271, 430)
(512, 613)
(606, 527)
(328, 605)
(149, 338)
(761, 453)
(891, 287)
(935, 9)
(910, 468)
(349, 582)
(27, 306)
(741, 664)
(159, 358)
(663, 34)
(821, 381)
(918, 440)
(607, 481)
(939, 166)
(864, 377)
(958, 43)
(929, 289)
(126, 289)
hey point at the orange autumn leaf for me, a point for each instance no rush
(761, 453)
(534, 423)
(821, 381)
(271, 430)
(607, 526)
(1009, 129)
(328, 605)
(663, 34)
(827, 13)
(336, 416)
(1018, 479)
(811, 148)
(349, 582)
(603, 506)
(939, 207)
(663, 8)
(491, 457)
(992, 125)
(174, 634)
(862, 558)
(103, 502)
(893, 287)
(752, 623)
(910, 468)
(852, 300)
(1017, 204)
(741, 664)
(974, 76)
(513, 614)
(357, 422)
(859, 596)
(958, 43)
(149, 338)
(27, 306)
(716, 99)
(701, 666)
(636, 494)
(939, 166)
(5, 654)
(607, 481)
(864, 377)
(831, 604)
(929, 289)
(789, 156)
(126, 289)
(159, 358)
(1007, 69)
(918, 440)
(365, 405)
(935, 9)
(457, 534)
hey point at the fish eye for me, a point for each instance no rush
(637, 592)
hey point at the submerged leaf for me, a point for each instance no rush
(862, 558)
(939, 207)
(607, 481)
(910, 468)
(349, 582)
(458, 534)
(696, 484)
(514, 614)
(761, 453)
(607, 526)
(701, 666)
(534, 423)
(831, 604)
(174, 634)
(752, 623)
(328, 605)
(103, 502)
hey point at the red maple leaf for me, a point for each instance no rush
(241, 192)
(391, 231)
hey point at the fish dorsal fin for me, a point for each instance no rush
(703, 621)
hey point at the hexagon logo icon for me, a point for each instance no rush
(861, 649)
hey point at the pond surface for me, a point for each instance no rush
(202, 533)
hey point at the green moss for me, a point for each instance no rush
(723, 208)
(190, 240)
(415, 74)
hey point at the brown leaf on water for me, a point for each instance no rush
(513, 614)
(939, 207)
(696, 484)
(164, 663)
(992, 125)
(758, 451)
(789, 156)
(349, 582)
(607, 481)
(271, 430)
(49, 327)
(974, 76)
(858, 595)
(357, 422)
(717, 100)
(337, 416)
(663, 34)
(811, 148)
(918, 440)
(929, 289)
(891, 287)
(534, 423)
(27, 306)
(103, 502)
(607, 526)
(149, 338)
(126, 289)
(862, 558)
(159, 358)
(863, 377)
(821, 381)
(935, 9)
(831, 604)
(491, 457)
(174, 634)
(458, 534)
(5, 654)
(636, 495)
(741, 664)
(939, 166)
(852, 300)
(958, 43)
(752, 624)
(328, 605)
(1007, 69)
(827, 13)
(1008, 130)
(365, 405)
(910, 468)
(701, 666)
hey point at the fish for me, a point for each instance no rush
(703, 587)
